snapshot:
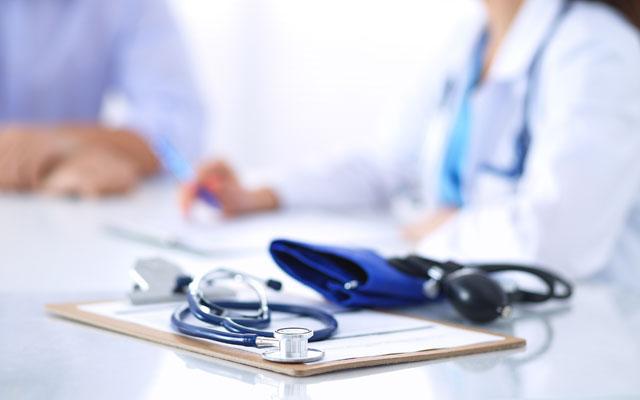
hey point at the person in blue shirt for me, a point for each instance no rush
(59, 60)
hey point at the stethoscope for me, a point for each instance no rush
(242, 321)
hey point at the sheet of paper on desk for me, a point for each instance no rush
(216, 236)
(361, 333)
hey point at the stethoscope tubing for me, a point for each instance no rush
(238, 333)
(181, 313)
(551, 280)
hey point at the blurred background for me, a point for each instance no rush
(288, 80)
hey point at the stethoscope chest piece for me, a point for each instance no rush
(292, 347)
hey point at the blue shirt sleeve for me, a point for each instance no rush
(153, 73)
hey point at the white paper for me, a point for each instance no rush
(241, 235)
(361, 333)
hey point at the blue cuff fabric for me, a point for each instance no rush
(349, 277)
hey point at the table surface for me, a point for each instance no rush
(57, 250)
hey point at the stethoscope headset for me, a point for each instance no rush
(473, 292)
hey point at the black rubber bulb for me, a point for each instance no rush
(475, 295)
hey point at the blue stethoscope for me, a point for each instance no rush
(243, 321)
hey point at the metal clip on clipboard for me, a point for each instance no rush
(157, 280)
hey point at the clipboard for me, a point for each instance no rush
(74, 312)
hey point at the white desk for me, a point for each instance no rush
(55, 250)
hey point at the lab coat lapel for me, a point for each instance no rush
(523, 40)
(498, 105)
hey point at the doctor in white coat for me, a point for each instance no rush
(526, 149)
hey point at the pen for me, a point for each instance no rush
(208, 197)
(179, 167)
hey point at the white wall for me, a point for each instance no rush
(286, 80)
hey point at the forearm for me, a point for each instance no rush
(356, 182)
(124, 143)
(82, 159)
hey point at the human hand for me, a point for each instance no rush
(428, 224)
(27, 155)
(31, 154)
(93, 172)
(220, 179)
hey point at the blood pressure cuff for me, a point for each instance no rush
(350, 277)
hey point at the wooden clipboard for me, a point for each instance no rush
(74, 312)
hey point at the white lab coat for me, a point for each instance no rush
(577, 206)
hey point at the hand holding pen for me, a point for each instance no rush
(215, 183)
(218, 180)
